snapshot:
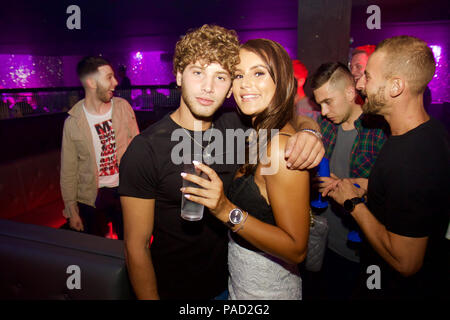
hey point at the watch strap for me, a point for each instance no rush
(357, 200)
(354, 202)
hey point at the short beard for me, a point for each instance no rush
(102, 94)
(193, 110)
(375, 102)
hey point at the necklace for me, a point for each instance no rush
(207, 155)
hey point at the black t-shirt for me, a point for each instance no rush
(408, 193)
(190, 258)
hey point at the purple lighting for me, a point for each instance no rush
(27, 71)
(435, 33)
(439, 85)
(436, 52)
(20, 75)
(136, 63)
(138, 56)
(147, 68)
(20, 68)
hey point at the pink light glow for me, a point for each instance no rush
(111, 234)
(146, 67)
(138, 56)
(440, 85)
(436, 52)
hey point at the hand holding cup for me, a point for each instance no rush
(210, 193)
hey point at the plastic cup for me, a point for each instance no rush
(190, 210)
(324, 168)
(323, 171)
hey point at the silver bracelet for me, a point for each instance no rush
(314, 132)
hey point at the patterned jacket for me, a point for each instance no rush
(368, 142)
(79, 173)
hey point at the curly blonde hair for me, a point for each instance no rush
(208, 44)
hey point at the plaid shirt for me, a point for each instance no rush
(368, 142)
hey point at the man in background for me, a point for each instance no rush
(352, 143)
(358, 63)
(95, 136)
(303, 105)
(406, 215)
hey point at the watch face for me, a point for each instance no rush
(235, 216)
(348, 205)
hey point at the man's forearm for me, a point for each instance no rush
(69, 175)
(376, 234)
(142, 274)
(69, 188)
(362, 182)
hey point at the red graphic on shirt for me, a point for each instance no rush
(108, 157)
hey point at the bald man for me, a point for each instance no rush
(406, 216)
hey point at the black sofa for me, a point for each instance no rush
(35, 261)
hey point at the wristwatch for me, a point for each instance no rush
(349, 204)
(235, 217)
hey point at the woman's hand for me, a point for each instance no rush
(212, 195)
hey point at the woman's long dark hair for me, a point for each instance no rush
(281, 107)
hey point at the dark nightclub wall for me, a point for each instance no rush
(38, 50)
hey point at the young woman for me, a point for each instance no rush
(267, 210)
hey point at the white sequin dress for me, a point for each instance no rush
(260, 276)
